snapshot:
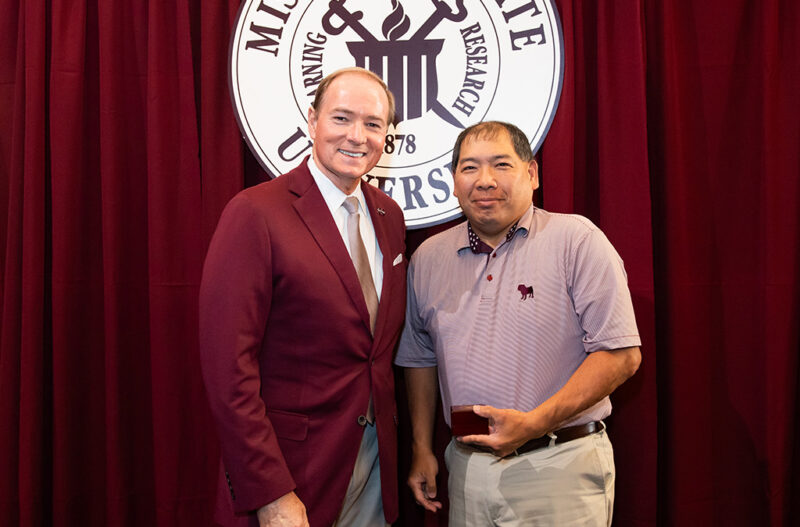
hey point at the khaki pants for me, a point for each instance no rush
(363, 506)
(567, 484)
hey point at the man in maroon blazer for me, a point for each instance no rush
(297, 366)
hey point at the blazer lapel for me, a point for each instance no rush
(382, 236)
(315, 214)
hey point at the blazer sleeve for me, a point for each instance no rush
(235, 297)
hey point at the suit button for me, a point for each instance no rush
(362, 421)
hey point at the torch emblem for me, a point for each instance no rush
(408, 62)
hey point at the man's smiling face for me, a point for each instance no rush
(494, 186)
(349, 129)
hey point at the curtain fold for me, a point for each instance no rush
(25, 361)
(678, 133)
(595, 163)
(724, 169)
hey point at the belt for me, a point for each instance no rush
(562, 435)
(556, 437)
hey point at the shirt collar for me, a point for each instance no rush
(332, 194)
(478, 246)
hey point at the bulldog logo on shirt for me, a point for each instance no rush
(526, 291)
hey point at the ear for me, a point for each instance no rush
(533, 171)
(455, 187)
(312, 122)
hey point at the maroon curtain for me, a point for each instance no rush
(724, 140)
(678, 133)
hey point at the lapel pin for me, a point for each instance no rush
(381, 211)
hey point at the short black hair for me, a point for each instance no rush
(490, 130)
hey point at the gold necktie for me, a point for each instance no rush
(359, 255)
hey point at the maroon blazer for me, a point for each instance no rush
(287, 355)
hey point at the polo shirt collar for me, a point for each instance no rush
(478, 246)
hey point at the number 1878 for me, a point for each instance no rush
(397, 142)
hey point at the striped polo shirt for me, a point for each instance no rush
(510, 327)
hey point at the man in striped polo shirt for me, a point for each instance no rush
(526, 315)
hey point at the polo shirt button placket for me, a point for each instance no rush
(490, 283)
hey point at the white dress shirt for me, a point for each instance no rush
(334, 198)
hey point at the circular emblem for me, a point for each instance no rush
(449, 64)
